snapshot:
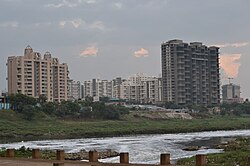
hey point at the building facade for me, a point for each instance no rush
(190, 73)
(98, 88)
(33, 75)
(231, 93)
(140, 88)
(75, 90)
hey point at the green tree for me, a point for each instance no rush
(42, 100)
(18, 101)
(171, 105)
(49, 107)
(28, 112)
(68, 108)
(104, 99)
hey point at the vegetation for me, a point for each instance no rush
(37, 119)
(235, 153)
(235, 108)
(29, 107)
(24, 152)
(14, 128)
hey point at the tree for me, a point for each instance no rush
(28, 112)
(104, 99)
(171, 105)
(42, 100)
(49, 108)
(68, 108)
(18, 101)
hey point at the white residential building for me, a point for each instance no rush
(75, 90)
(140, 88)
(98, 88)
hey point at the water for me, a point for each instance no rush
(141, 148)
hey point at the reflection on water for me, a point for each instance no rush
(142, 148)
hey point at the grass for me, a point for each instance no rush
(235, 153)
(13, 126)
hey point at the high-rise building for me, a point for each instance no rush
(33, 75)
(190, 73)
(140, 88)
(98, 88)
(231, 93)
(75, 91)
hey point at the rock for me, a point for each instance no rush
(191, 148)
(84, 155)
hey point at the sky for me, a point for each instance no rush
(117, 38)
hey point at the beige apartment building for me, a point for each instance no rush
(33, 75)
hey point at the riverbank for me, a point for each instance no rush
(236, 152)
(142, 148)
(24, 152)
(14, 128)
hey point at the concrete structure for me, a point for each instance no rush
(36, 154)
(60, 155)
(10, 160)
(231, 93)
(93, 156)
(190, 73)
(140, 88)
(200, 160)
(124, 158)
(98, 88)
(165, 159)
(33, 75)
(75, 90)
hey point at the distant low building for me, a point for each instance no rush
(115, 101)
(4, 103)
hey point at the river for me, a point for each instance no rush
(141, 148)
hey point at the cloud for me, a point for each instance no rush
(91, 1)
(230, 64)
(62, 23)
(97, 25)
(118, 5)
(236, 45)
(70, 3)
(12, 24)
(63, 3)
(141, 53)
(77, 23)
(89, 51)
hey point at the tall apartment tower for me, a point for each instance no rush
(33, 75)
(190, 73)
